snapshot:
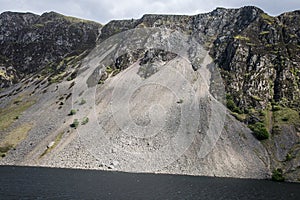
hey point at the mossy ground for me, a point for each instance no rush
(286, 116)
(11, 113)
(56, 142)
(13, 138)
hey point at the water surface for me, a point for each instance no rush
(51, 183)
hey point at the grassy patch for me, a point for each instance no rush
(56, 142)
(267, 119)
(13, 138)
(12, 112)
(240, 37)
(264, 32)
(286, 116)
(109, 70)
(267, 18)
(4, 75)
(101, 82)
(240, 117)
(256, 98)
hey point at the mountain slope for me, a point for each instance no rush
(30, 43)
(256, 54)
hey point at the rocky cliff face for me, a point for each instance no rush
(30, 42)
(257, 55)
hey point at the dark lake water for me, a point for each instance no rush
(50, 183)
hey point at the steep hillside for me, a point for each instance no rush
(136, 84)
(30, 43)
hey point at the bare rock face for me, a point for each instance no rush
(256, 54)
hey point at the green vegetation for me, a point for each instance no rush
(240, 117)
(288, 157)
(82, 102)
(38, 25)
(257, 98)
(4, 75)
(259, 130)
(267, 18)
(77, 20)
(108, 70)
(115, 72)
(13, 111)
(264, 32)
(240, 37)
(56, 142)
(284, 115)
(13, 138)
(277, 175)
(75, 124)
(276, 108)
(101, 82)
(180, 101)
(4, 149)
(85, 121)
(72, 112)
(231, 105)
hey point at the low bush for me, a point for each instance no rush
(82, 102)
(75, 123)
(85, 121)
(72, 112)
(277, 175)
(259, 130)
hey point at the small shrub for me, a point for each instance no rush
(5, 148)
(75, 123)
(277, 175)
(288, 157)
(259, 130)
(180, 101)
(108, 70)
(237, 110)
(276, 108)
(101, 82)
(72, 112)
(82, 102)
(85, 121)
(230, 104)
(71, 85)
(276, 129)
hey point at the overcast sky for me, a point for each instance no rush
(106, 10)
